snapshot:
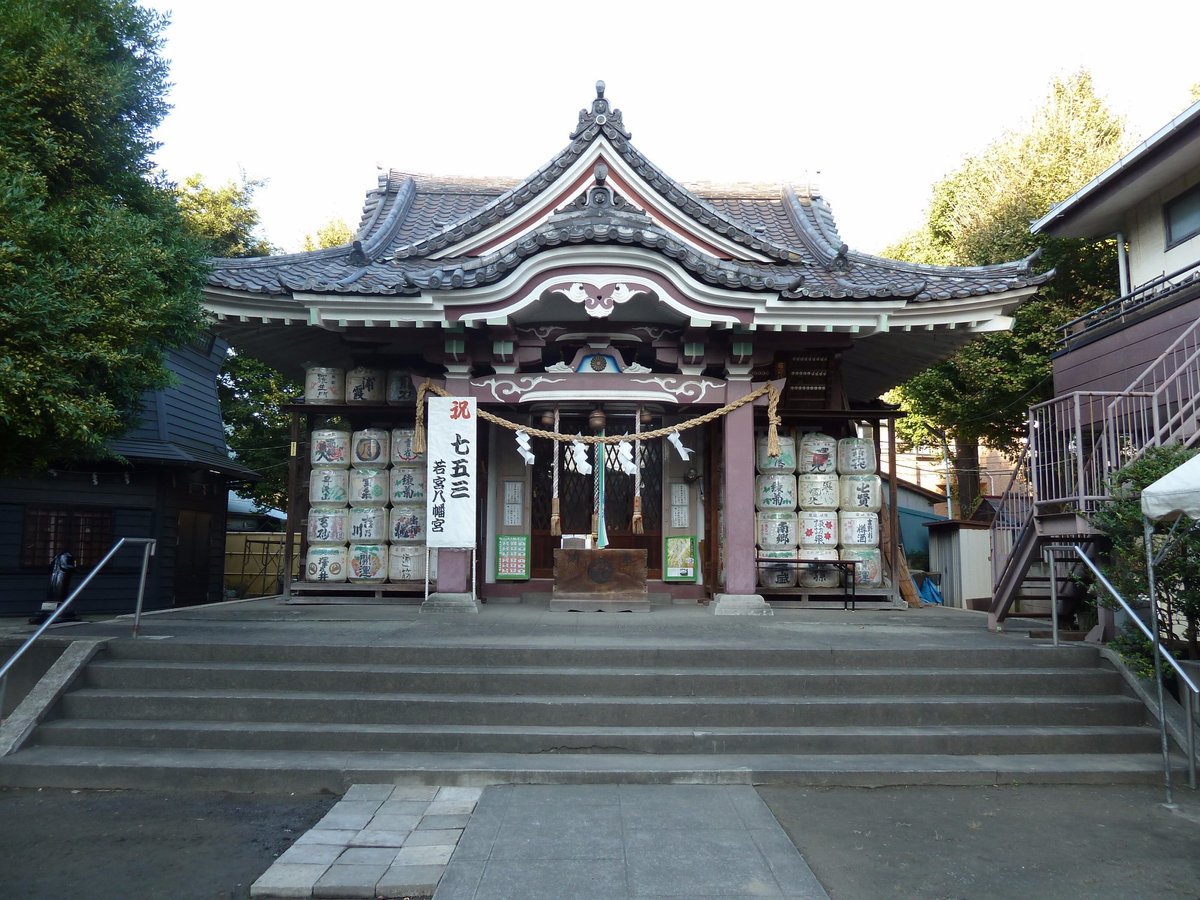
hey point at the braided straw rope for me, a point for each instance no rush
(773, 421)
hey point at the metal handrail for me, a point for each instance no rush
(1143, 295)
(147, 552)
(1161, 654)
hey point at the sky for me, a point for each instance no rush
(873, 102)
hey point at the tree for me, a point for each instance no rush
(333, 233)
(981, 214)
(1177, 573)
(98, 274)
(224, 217)
(251, 392)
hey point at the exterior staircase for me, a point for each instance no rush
(256, 717)
(1076, 442)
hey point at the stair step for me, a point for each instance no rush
(335, 772)
(305, 706)
(325, 737)
(521, 681)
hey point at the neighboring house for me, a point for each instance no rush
(1128, 372)
(172, 486)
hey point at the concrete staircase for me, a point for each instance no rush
(166, 714)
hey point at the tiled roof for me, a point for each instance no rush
(409, 217)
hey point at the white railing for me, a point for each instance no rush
(1077, 441)
(1014, 513)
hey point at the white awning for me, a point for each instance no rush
(1175, 494)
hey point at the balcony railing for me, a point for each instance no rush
(1155, 291)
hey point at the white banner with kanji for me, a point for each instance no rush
(451, 491)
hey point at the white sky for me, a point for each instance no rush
(873, 101)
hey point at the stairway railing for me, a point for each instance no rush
(148, 545)
(1077, 440)
(1014, 513)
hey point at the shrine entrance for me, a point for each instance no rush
(577, 494)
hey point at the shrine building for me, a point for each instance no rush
(677, 386)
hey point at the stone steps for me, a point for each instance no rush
(241, 716)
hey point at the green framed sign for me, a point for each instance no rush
(512, 557)
(679, 558)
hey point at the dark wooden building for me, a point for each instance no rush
(172, 486)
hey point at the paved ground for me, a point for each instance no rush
(934, 843)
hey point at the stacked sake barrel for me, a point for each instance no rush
(818, 500)
(860, 498)
(775, 513)
(329, 505)
(366, 524)
(817, 485)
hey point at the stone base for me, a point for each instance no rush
(598, 604)
(740, 605)
(445, 602)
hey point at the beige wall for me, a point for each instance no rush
(1146, 234)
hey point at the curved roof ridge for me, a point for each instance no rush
(376, 241)
(601, 120)
(816, 240)
(1017, 267)
(277, 259)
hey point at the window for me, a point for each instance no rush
(1183, 216)
(48, 531)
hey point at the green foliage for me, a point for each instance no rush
(251, 392)
(98, 274)
(980, 215)
(333, 233)
(224, 217)
(1177, 574)
(1135, 650)
(258, 431)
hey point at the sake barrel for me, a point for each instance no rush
(407, 485)
(818, 454)
(777, 529)
(326, 563)
(784, 462)
(858, 529)
(861, 493)
(778, 574)
(368, 563)
(818, 528)
(369, 448)
(407, 524)
(775, 491)
(329, 448)
(400, 390)
(816, 575)
(328, 487)
(869, 571)
(324, 385)
(367, 524)
(856, 456)
(365, 385)
(402, 447)
(817, 491)
(406, 562)
(327, 525)
(368, 487)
